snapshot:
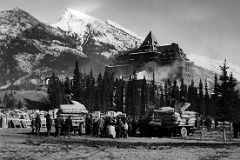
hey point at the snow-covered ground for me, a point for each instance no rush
(214, 64)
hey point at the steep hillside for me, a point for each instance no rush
(30, 48)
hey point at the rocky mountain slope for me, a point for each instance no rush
(31, 50)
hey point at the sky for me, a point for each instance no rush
(205, 27)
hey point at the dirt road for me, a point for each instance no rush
(18, 144)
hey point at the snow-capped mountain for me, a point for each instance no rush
(30, 48)
(214, 65)
(98, 37)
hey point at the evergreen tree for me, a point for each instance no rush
(190, 92)
(5, 99)
(223, 90)
(10, 101)
(89, 93)
(183, 90)
(129, 97)
(118, 94)
(77, 87)
(207, 100)
(152, 89)
(144, 96)
(175, 91)
(162, 100)
(55, 92)
(233, 98)
(214, 109)
(67, 86)
(136, 98)
(166, 93)
(200, 100)
(98, 93)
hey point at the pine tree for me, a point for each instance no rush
(144, 96)
(55, 92)
(118, 94)
(89, 93)
(5, 99)
(175, 91)
(77, 87)
(152, 89)
(10, 101)
(67, 86)
(136, 99)
(162, 100)
(183, 92)
(214, 109)
(233, 99)
(98, 93)
(129, 97)
(201, 105)
(207, 100)
(166, 94)
(223, 90)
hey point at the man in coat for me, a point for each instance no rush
(58, 125)
(100, 126)
(69, 125)
(38, 123)
(48, 124)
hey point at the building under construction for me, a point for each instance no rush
(150, 52)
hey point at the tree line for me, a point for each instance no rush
(137, 97)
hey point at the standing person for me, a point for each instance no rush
(48, 124)
(135, 124)
(119, 127)
(125, 128)
(129, 121)
(100, 126)
(91, 122)
(87, 121)
(69, 125)
(38, 123)
(58, 125)
(215, 123)
(33, 124)
(208, 123)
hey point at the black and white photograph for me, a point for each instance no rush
(120, 79)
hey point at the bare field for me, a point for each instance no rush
(18, 144)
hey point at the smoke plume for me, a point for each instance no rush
(161, 72)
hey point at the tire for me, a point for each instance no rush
(183, 132)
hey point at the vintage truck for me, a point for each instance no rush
(78, 113)
(166, 120)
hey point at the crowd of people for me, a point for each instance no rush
(122, 126)
(61, 126)
(115, 127)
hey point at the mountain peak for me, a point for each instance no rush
(71, 14)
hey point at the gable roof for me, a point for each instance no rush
(150, 42)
